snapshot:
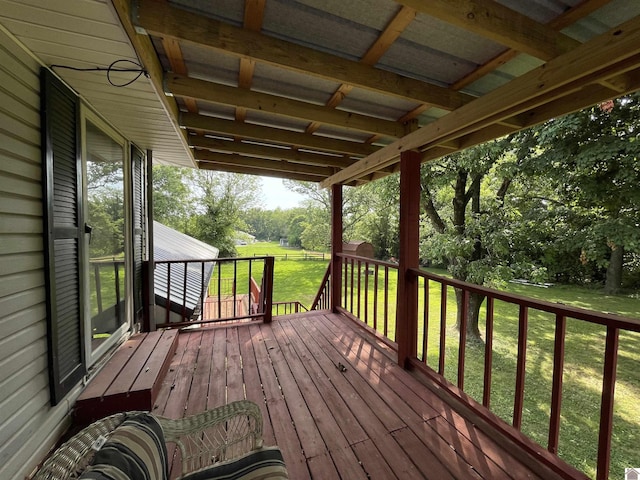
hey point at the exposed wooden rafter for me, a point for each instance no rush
(222, 94)
(164, 20)
(272, 152)
(611, 54)
(275, 135)
(492, 20)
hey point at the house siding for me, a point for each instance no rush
(29, 426)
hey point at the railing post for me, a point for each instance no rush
(607, 403)
(336, 246)
(268, 289)
(407, 310)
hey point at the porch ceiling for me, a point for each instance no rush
(333, 91)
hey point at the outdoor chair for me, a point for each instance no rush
(225, 442)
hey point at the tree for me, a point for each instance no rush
(172, 199)
(463, 198)
(223, 196)
(591, 158)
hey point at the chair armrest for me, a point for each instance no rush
(71, 458)
(219, 434)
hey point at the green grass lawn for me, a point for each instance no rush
(300, 280)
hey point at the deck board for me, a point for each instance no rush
(131, 379)
(374, 420)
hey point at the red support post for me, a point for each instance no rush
(336, 246)
(407, 311)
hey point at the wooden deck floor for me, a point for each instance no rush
(370, 419)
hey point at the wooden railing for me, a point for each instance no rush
(286, 308)
(191, 292)
(322, 301)
(367, 294)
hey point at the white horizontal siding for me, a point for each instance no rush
(28, 425)
(86, 34)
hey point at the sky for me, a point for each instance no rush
(275, 194)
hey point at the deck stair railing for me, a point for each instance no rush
(368, 294)
(196, 292)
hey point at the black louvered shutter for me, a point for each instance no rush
(138, 205)
(63, 234)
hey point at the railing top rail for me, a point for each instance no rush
(602, 318)
(213, 260)
(370, 261)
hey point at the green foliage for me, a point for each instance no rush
(204, 204)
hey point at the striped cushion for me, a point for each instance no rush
(263, 464)
(135, 451)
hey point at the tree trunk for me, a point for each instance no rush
(473, 315)
(613, 282)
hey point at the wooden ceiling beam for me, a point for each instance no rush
(164, 20)
(567, 18)
(219, 167)
(176, 61)
(603, 57)
(389, 35)
(492, 20)
(271, 152)
(275, 135)
(261, 163)
(213, 92)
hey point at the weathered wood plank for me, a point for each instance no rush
(199, 391)
(235, 388)
(157, 364)
(252, 382)
(284, 430)
(218, 376)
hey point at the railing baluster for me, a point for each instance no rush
(96, 276)
(366, 293)
(462, 348)
(184, 292)
(607, 403)
(168, 300)
(386, 301)
(488, 354)
(443, 328)
(518, 402)
(235, 277)
(359, 293)
(351, 287)
(219, 290)
(425, 319)
(556, 389)
(202, 289)
(375, 298)
(116, 269)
